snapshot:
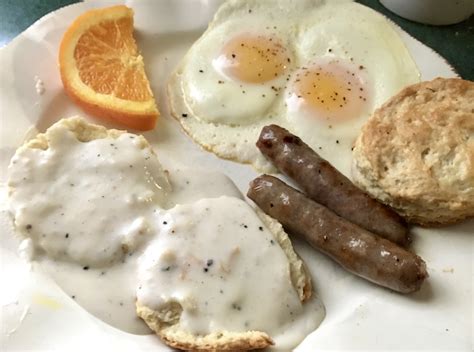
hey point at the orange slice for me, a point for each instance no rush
(102, 70)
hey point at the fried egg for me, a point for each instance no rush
(304, 65)
(232, 66)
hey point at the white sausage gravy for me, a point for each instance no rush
(104, 220)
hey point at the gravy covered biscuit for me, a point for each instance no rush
(227, 280)
(416, 153)
(80, 193)
(204, 270)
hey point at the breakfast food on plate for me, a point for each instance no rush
(62, 182)
(306, 66)
(102, 70)
(228, 280)
(416, 153)
(88, 200)
(357, 250)
(327, 186)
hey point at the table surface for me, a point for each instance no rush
(455, 43)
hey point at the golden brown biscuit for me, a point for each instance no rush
(416, 153)
(169, 331)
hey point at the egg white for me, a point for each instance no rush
(230, 124)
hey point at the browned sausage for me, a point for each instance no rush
(327, 186)
(356, 249)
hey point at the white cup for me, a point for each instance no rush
(436, 12)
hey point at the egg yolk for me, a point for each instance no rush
(332, 90)
(253, 58)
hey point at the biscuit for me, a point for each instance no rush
(416, 153)
(169, 332)
(82, 130)
(165, 322)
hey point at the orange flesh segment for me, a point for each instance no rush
(108, 62)
(102, 70)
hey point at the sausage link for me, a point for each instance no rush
(327, 186)
(354, 248)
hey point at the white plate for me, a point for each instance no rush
(37, 315)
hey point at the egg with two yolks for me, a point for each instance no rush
(317, 68)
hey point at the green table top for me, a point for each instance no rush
(455, 42)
